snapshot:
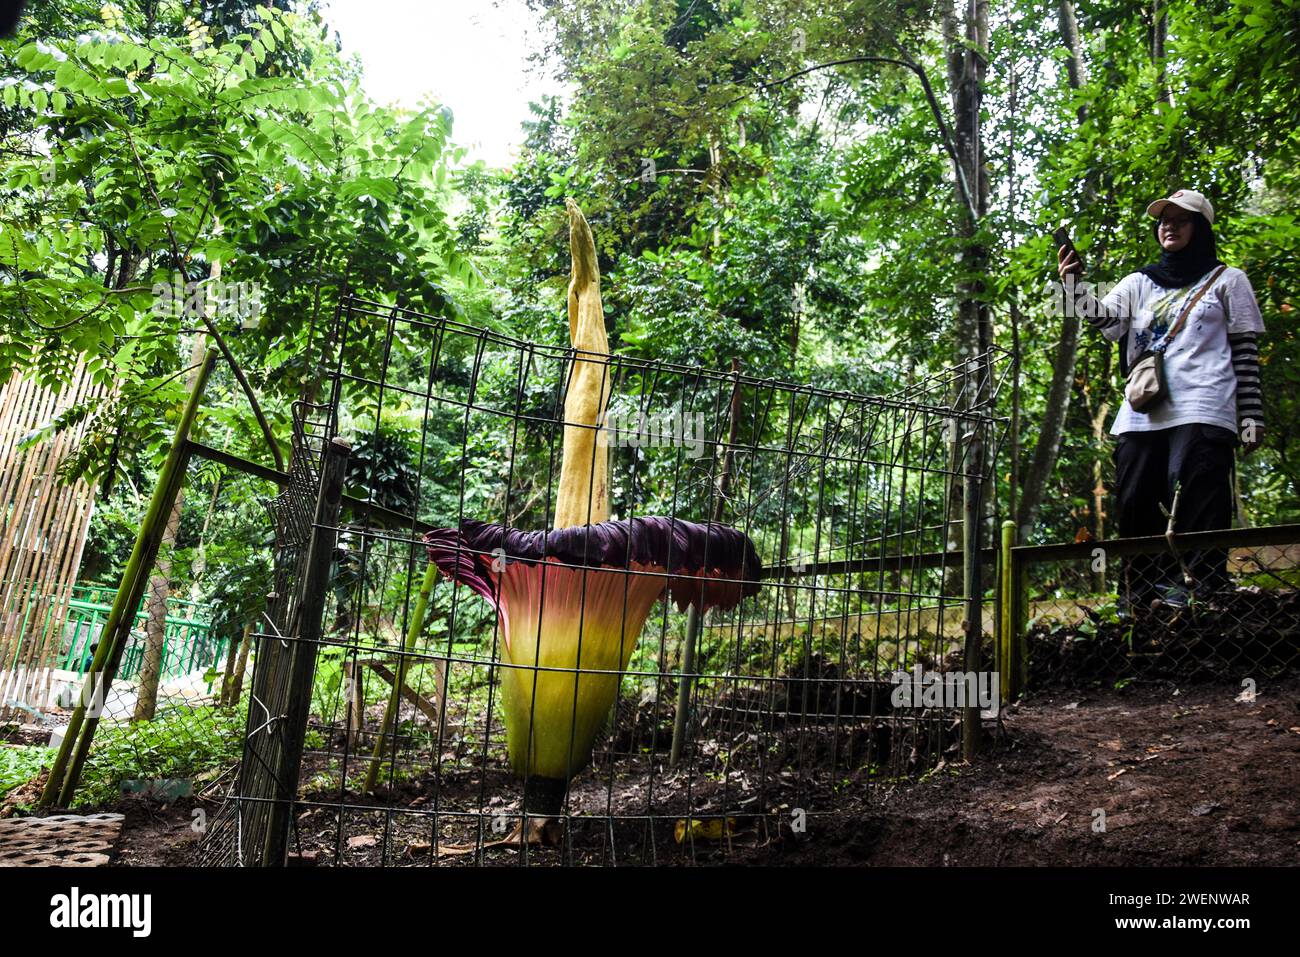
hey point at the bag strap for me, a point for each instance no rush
(1187, 309)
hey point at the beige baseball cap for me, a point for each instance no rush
(1188, 199)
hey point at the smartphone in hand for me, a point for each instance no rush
(1062, 239)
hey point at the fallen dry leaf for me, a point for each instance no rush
(712, 830)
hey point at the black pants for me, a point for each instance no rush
(1197, 458)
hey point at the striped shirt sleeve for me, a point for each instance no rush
(1241, 309)
(1245, 363)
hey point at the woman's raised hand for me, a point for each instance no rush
(1067, 262)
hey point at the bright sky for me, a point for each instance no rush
(471, 55)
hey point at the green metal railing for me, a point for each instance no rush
(187, 634)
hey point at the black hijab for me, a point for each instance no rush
(1180, 269)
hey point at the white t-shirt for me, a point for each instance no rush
(1198, 362)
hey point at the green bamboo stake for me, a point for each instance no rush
(76, 742)
(413, 630)
(1007, 613)
(1019, 626)
(684, 685)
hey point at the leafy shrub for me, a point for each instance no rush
(18, 765)
(179, 743)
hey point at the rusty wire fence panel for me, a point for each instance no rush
(1215, 605)
(785, 713)
(243, 821)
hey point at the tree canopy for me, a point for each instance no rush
(851, 195)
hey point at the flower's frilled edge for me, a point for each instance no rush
(449, 551)
(717, 565)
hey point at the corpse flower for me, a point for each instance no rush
(571, 601)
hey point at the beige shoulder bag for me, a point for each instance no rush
(1147, 388)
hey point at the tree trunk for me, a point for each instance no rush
(965, 30)
(1159, 33)
(155, 628)
(241, 664)
(1052, 429)
(966, 36)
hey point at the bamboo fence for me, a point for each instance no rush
(43, 520)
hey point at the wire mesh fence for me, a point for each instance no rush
(1221, 605)
(446, 678)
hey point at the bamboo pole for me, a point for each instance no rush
(159, 590)
(63, 778)
(12, 567)
(414, 627)
(1006, 612)
(17, 413)
(8, 402)
(19, 492)
(33, 568)
(42, 521)
(74, 533)
(119, 634)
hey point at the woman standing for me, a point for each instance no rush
(1202, 318)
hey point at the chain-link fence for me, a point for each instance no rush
(185, 724)
(1219, 604)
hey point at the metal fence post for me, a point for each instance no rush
(306, 639)
(693, 616)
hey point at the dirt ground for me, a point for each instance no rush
(1150, 774)
(1185, 776)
